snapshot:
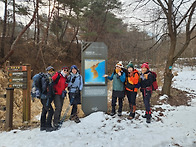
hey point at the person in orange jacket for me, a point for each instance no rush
(131, 88)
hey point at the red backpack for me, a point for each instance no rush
(154, 84)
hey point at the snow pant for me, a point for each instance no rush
(120, 104)
(146, 99)
(46, 121)
(74, 109)
(58, 102)
(132, 100)
(74, 99)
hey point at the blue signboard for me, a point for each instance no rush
(94, 71)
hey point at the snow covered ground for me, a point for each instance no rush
(186, 79)
(173, 127)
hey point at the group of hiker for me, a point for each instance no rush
(128, 81)
(51, 87)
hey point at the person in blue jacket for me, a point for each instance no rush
(75, 85)
(118, 77)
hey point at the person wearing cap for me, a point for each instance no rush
(75, 85)
(60, 83)
(46, 96)
(118, 77)
(131, 88)
(146, 89)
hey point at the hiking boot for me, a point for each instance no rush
(71, 117)
(148, 118)
(144, 116)
(112, 113)
(77, 120)
(131, 115)
(56, 127)
(50, 129)
(119, 113)
(42, 128)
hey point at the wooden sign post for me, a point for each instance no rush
(9, 109)
(20, 78)
(26, 97)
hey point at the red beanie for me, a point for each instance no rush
(65, 67)
(145, 65)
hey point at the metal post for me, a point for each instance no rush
(9, 108)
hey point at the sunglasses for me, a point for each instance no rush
(65, 70)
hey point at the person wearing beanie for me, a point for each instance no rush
(60, 83)
(46, 96)
(118, 77)
(131, 88)
(75, 85)
(146, 89)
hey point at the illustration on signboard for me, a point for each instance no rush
(94, 71)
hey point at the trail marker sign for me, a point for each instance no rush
(20, 78)
(17, 77)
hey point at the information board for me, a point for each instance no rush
(94, 71)
(94, 66)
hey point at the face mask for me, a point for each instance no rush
(63, 74)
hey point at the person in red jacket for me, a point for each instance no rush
(60, 83)
(131, 88)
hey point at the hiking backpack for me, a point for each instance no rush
(154, 84)
(39, 85)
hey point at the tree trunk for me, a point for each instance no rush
(19, 36)
(35, 29)
(38, 29)
(4, 31)
(14, 23)
(169, 65)
(167, 79)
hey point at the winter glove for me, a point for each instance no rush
(73, 80)
(77, 91)
(64, 93)
(146, 76)
(38, 94)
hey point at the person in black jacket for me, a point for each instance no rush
(46, 81)
(146, 89)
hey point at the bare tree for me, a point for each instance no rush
(20, 35)
(14, 23)
(4, 30)
(179, 17)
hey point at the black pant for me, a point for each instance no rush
(58, 102)
(120, 103)
(74, 109)
(131, 97)
(46, 109)
(146, 99)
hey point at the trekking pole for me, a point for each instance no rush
(66, 112)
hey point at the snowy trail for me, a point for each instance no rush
(176, 128)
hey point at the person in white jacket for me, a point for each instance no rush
(75, 85)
